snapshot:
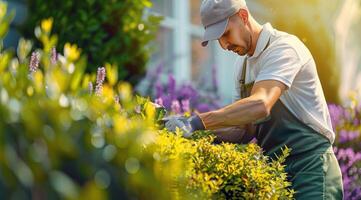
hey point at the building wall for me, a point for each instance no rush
(178, 47)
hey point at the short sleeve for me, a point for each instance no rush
(282, 63)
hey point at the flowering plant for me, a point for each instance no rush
(346, 123)
(184, 98)
(61, 139)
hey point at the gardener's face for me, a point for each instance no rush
(237, 36)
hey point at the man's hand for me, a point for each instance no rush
(187, 125)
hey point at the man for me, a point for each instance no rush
(280, 99)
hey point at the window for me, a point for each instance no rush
(163, 48)
(163, 7)
(178, 47)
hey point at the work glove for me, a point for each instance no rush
(186, 124)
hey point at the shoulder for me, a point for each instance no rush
(285, 44)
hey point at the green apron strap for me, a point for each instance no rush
(245, 89)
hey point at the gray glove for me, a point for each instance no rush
(187, 125)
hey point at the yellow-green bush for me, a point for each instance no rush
(226, 170)
(58, 140)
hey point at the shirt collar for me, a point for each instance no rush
(262, 40)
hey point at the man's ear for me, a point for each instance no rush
(243, 14)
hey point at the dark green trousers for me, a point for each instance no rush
(315, 175)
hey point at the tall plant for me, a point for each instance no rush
(117, 31)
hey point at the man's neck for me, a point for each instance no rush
(255, 32)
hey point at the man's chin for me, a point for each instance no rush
(240, 53)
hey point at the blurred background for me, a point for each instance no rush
(151, 48)
(328, 28)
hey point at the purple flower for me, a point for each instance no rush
(346, 136)
(34, 61)
(176, 108)
(188, 92)
(158, 89)
(159, 101)
(171, 86)
(54, 56)
(167, 101)
(337, 114)
(203, 107)
(356, 122)
(349, 160)
(346, 123)
(185, 105)
(193, 97)
(98, 89)
(100, 80)
(101, 75)
(90, 87)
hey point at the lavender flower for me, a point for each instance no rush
(90, 86)
(98, 89)
(54, 56)
(101, 75)
(182, 98)
(158, 89)
(176, 108)
(188, 92)
(34, 61)
(100, 79)
(185, 105)
(159, 101)
(167, 101)
(346, 123)
(203, 107)
(349, 160)
(347, 136)
(171, 86)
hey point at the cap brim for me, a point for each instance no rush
(214, 31)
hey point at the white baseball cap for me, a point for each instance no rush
(215, 15)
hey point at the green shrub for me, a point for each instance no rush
(61, 140)
(105, 30)
(225, 171)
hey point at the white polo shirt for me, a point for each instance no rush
(289, 61)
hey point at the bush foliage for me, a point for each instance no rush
(61, 139)
(105, 30)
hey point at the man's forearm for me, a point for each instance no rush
(239, 113)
